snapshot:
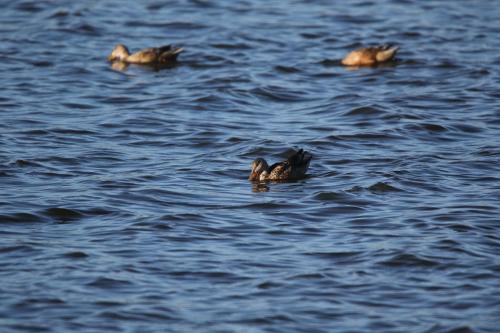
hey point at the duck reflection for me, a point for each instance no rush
(119, 66)
(260, 187)
(122, 66)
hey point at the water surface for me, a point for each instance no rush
(124, 200)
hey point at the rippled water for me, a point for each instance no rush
(124, 199)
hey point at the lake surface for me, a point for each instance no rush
(124, 199)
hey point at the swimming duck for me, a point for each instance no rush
(370, 56)
(153, 55)
(293, 168)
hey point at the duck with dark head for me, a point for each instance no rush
(293, 168)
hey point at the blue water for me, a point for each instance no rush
(124, 199)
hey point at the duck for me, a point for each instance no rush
(293, 168)
(370, 56)
(153, 55)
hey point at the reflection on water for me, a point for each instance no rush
(388, 64)
(260, 187)
(125, 200)
(119, 66)
(123, 66)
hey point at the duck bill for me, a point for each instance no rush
(253, 176)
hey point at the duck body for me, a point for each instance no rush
(294, 168)
(150, 56)
(370, 56)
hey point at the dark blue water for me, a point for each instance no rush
(124, 199)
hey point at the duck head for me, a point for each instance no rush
(120, 53)
(259, 169)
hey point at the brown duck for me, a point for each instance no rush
(150, 56)
(370, 56)
(294, 168)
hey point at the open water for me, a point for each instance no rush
(124, 199)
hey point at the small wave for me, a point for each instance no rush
(98, 211)
(28, 302)
(459, 329)
(286, 69)
(118, 316)
(41, 63)
(76, 255)
(88, 29)
(266, 320)
(183, 217)
(267, 205)
(20, 218)
(382, 187)
(411, 34)
(59, 13)
(331, 62)
(118, 100)
(62, 160)
(308, 35)
(468, 128)
(108, 283)
(408, 260)
(356, 19)
(79, 106)
(208, 99)
(31, 328)
(407, 82)
(109, 303)
(460, 227)
(278, 94)
(30, 7)
(333, 255)
(25, 163)
(309, 276)
(489, 151)
(433, 127)
(329, 196)
(17, 248)
(37, 132)
(72, 131)
(368, 136)
(176, 25)
(227, 46)
(269, 285)
(212, 276)
(364, 111)
(447, 64)
(63, 214)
